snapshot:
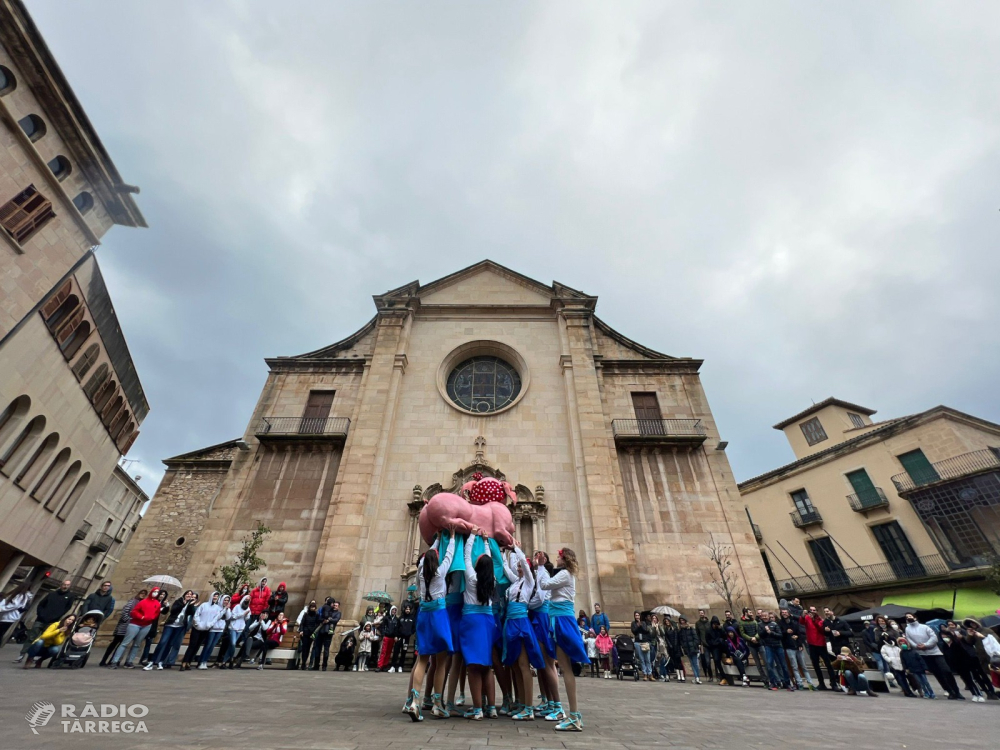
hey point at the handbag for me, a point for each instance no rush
(644, 647)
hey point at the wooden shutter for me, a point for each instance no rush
(25, 213)
(317, 410)
(647, 413)
(53, 304)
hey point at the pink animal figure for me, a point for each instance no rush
(445, 511)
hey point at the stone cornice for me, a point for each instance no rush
(332, 364)
(633, 366)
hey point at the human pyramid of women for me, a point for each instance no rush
(484, 605)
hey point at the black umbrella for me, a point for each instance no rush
(894, 612)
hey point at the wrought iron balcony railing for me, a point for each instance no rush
(102, 542)
(659, 430)
(951, 468)
(863, 576)
(757, 534)
(302, 428)
(801, 519)
(868, 500)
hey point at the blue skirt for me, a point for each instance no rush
(433, 632)
(476, 635)
(455, 623)
(518, 633)
(567, 637)
(540, 624)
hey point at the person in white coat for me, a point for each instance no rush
(237, 619)
(205, 618)
(12, 607)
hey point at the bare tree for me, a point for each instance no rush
(725, 580)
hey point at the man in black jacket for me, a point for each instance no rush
(774, 652)
(329, 616)
(307, 627)
(793, 639)
(52, 608)
(405, 628)
(751, 631)
(837, 631)
(100, 599)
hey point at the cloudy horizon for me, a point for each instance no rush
(802, 195)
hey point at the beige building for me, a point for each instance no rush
(70, 400)
(612, 448)
(903, 511)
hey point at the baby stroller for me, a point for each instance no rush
(76, 649)
(625, 649)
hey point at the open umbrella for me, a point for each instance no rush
(382, 597)
(163, 581)
(663, 609)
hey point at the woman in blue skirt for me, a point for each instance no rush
(548, 679)
(476, 630)
(520, 645)
(433, 628)
(561, 585)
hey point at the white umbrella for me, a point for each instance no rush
(163, 581)
(663, 609)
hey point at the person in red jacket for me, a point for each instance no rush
(259, 599)
(243, 590)
(142, 617)
(816, 638)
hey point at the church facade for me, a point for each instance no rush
(611, 447)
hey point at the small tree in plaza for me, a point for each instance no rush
(247, 562)
(726, 582)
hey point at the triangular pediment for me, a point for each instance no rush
(485, 283)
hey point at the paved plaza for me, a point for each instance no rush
(276, 709)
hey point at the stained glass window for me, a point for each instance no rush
(483, 384)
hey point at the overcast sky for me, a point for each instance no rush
(802, 194)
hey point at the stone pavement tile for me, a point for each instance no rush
(277, 709)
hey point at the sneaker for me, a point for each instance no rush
(260, 667)
(723, 682)
(491, 712)
(558, 714)
(126, 665)
(149, 667)
(573, 723)
(525, 714)
(774, 687)
(391, 670)
(354, 668)
(476, 714)
(697, 680)
(203, 665)
(461, 700)
(159, 667)
(746, 681)
(19, 659)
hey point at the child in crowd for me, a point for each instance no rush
(365, 640)
(914, 665)
(590, 641)
(894, 666)
(604, 645)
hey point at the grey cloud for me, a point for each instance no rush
(802, 195)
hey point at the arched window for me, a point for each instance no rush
(117, 423)
(86, 361)
(75, 340)
(38, 461)
(33, 127)
(20, 446)
(96, 381)
(7, 81)
(62, 487)
(124, 434)
(128, 442)
(74, 497)
(57, 299)
(84, 202)
(12, 417)
(112, 409)
(67, 326)
(66, 309)
(105, 395)
(60, 167)
(51, 475)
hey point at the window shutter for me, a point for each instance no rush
(53, 304)
(25, 213)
